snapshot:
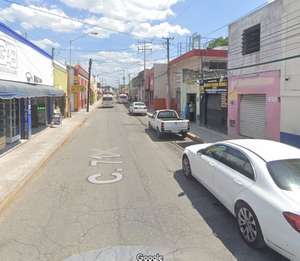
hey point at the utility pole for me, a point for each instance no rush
(144, 50)
(168, 71)
(129, 87)
(123, 79)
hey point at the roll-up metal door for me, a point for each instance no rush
(253, 116)
(213, 112)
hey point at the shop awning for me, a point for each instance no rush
(9, 90)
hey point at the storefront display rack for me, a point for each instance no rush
(9, 120)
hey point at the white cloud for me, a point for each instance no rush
(130, 10)
(43, 44)
(39, 18)
(160, 30)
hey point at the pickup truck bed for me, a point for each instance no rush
(167, 121)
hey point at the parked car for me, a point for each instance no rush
(138, 108)
(107, 101)
(168, 121)
(258, 181)
(123, 98)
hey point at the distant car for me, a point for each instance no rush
(138, 108)
(107, 101)
(258, 181)
(123, 98)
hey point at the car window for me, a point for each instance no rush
(154, 114)
(285, 173)
(139, 104)
(167, 114)
(215, 151)
(107, 98)
(238, 161)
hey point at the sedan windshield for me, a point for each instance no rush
(285, 173)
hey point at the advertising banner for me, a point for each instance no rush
(21, 61)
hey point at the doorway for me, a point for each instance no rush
(192, 98)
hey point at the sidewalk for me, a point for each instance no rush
(21, 161)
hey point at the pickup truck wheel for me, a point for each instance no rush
(149, 126)
(158, 134)
(184, 135)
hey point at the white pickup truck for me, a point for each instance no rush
(168, 121)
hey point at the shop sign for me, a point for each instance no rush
(224, 100)
(2, 142)
(191, 87)
(178, 77)
(214, 87)
(78, 88)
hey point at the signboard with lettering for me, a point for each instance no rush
(191, 87)
(78, 88)
(15, 64)
(213, 86)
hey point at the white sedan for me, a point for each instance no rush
(138, 107)
(258, 181)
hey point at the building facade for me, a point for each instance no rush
(61, 82)
(264, 94)
(79, 95)
(26, 87)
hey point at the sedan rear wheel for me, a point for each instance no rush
(249, 227)
(186, 167)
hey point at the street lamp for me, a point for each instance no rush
(69, 94)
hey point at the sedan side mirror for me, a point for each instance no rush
(200, 152)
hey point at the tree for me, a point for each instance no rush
(218, 42)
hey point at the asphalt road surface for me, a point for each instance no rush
(114, 191)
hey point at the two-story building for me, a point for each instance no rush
(263, 62)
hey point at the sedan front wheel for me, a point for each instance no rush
(249, 227)
(186, 167)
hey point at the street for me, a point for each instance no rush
(114, 191)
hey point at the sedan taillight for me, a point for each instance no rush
(293, 219)
(145, 108)
(135, 108)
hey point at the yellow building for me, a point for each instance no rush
(61, 82)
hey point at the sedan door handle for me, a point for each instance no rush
(211, 164)
(238, 182)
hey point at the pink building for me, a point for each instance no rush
(254, 106)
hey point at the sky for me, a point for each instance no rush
(127, 30)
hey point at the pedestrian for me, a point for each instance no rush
(187, 111)
(192, 111)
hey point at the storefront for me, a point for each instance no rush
(26, 87)
(213, 104)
